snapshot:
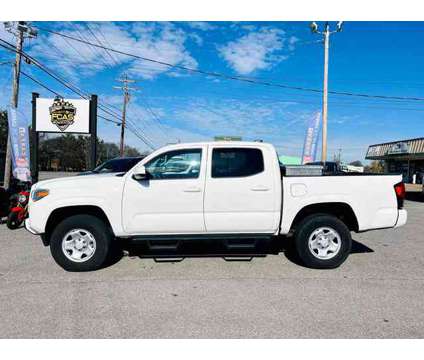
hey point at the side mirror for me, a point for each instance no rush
(140, 173)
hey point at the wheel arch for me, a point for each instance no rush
(341, 210)
(62, 213)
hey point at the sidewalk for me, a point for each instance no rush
(413, 187)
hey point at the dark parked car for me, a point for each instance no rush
(329, 167)
(4, 202)
(117, 165)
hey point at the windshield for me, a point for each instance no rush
(116, 165)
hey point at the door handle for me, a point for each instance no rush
(259, 188)
(192, 189)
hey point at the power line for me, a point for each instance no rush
(112, 55)
(73, 88)
(155, 117)
(100, 43)
(98, 55)
(233, 77)
(97, 40)
(58, 94)
(39, 83)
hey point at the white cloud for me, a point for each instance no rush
(196, 38)
(250, 119)
(163, 42)
(201, 25)
(292, 41)
(255, 51)
(6, 35)
(159, 41)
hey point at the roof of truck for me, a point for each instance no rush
(225, 143)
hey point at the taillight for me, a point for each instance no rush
(400, 194)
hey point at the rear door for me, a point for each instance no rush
(240, 193)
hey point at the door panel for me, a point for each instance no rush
(240, 192)
(171, 200)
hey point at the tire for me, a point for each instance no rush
(13, 221)
(80, 228)
(313, 247)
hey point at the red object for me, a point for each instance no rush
(21, 208)
(400, 194)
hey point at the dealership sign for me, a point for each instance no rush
(398, 148)
(63, 115)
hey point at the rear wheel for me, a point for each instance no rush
(322, 241)
(81, 243)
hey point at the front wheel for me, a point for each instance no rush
(322, 241)
(81, 243)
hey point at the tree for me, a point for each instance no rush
(71, 153)
(376, 167)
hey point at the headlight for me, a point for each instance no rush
(39, 194)
(22, 198)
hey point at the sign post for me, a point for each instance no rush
(93, 131)
(34, 139)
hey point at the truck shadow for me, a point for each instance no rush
(217, 249)
(415, 196)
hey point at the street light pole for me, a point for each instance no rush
(326, 34)
(325, 93)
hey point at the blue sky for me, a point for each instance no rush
(382, 58)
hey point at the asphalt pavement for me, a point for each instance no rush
(377, 293)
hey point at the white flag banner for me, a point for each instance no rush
(19, 139)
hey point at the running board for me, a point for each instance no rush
(179, 237)
(240, 244)
(165, 245)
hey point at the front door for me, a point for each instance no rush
(171, 200)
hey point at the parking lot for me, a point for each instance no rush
(378, 292)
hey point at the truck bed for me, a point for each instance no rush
(355, 190)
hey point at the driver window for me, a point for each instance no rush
(177, 164)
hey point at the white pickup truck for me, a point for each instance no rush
(231, 190)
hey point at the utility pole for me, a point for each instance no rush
(22, 30)
(338, 157)
(326, 34)
(126, 91)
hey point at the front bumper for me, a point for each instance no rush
(402, 218)
(29, 228)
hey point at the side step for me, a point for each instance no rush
(165, 245)
(240, 244)
(168, 259)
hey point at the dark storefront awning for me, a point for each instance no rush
(412, 149)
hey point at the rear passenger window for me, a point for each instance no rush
(236, 162)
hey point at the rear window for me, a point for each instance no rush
(236, 162)
(117, 165)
